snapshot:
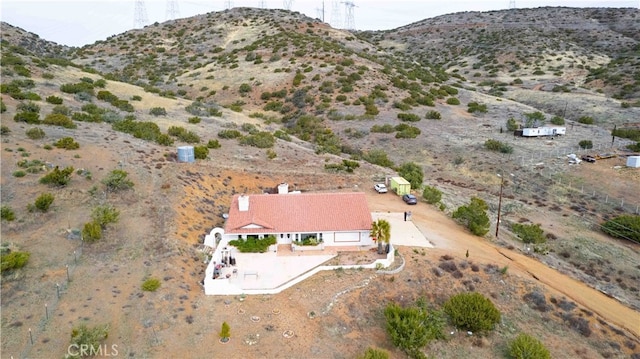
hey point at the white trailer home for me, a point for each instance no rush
(542, 131)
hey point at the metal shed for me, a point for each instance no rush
(633, 161)
(400, 185)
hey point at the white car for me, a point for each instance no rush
(380, 188)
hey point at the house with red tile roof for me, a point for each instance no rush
(331, 219)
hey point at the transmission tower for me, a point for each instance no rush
(349, 20)
(262, 4)
(287, 4)
(512, 4)
(140, 18)
(228, 4)
(172, 10)
(336, 18)
(320, 12)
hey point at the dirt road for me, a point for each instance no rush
(451, 238)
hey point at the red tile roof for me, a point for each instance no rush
(300, 212)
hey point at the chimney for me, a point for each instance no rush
(243, 203)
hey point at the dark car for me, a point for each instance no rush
(410, 199)
(588, 158)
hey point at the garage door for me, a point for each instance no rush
(347, 237)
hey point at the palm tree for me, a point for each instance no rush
(381, 231)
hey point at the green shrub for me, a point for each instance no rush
(625, 227)
(194, 120)
(407, 131)
(410, 117)
(431, 195)
(245, 88)
(58, 119)
(472, 312)
(533, 119)
(453, 101)
(512, 125)
(4, 130)
(91, 232)
(495, 145)
(433, 115)
(412, 173)
(474, 216)
(229, 134)
(7, 213)
(88, 338)
(19, 173)
(585, 144)
(151, 285)
(529, 233)
(35, 133)
(117, 180)
(67, 143)
(200, 152)
(525, 346)
(213, 144)
(413, 327)
(158, 111)
(105, 214)
(557, 120)
(476, 107)
(378, 157)
(61, 109)
(3, 107)
(13, 260)
(253, 245)
(44, 201)
(28, 117)
(586, 120)
(386, 128)
(260, 140)
(58, 177)
(372, 353)
(225, 331)
(55, 100)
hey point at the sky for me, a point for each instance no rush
(83, 22)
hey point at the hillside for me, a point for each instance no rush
(272, 96)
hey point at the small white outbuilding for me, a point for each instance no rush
(633, 161)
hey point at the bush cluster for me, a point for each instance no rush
(151, 285)
(495, 145)
(525, 346)
(13, 260)
(474, 216)
(67, 143)
(253, 245)
(58, 177)
(472, 312)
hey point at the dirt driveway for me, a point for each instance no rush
(450, 238)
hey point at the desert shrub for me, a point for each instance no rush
(431, 194)
(253, 245)
(585, 144)
(472, 312)
(433, 115)
(474, 216)
(630, 133)
(378, 157)
(44, 201)
(54, 100)
(386, 128)
(158, 111)
(105, 214)
(476, 107)
(151, 285)
(213, 144)
(412, 173)
(453, 101)
(282, 135)
(28, 106)
(499, 146)
(260, 140)
(373, 353)
(533, 119)
(61, 109)
(410, 117)
(512, 125)
(245, 88)
(3, 107)
(58, 177)
(7, 214)
(13, 260)
(194, 120)
(525, 346)
(80, 87)
(557, 120)
(587, 120)
(58, 119)
(88, 338)
(229, 134)
(408, 132)
(201, 152)
(67, 143)
(529, 233)
(117, 180)
(91, 232)
(28, 117)
(35, 133)
(625, 226)
(413, 327)
(4, 130)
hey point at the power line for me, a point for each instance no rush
(172, 10)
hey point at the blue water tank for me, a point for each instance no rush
(185, 154)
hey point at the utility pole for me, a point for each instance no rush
(140, 18)
(172, 10)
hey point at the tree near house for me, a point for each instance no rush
(381, 232)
